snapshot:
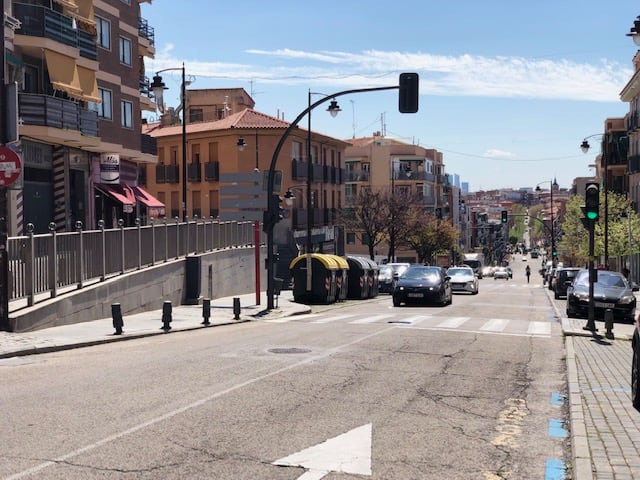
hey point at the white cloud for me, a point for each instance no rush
(495, 153)
(463, 75)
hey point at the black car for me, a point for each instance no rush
(562, 279)
(423, 284)
(387, 274)
(611, 290)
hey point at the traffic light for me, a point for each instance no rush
(408, 94)
(554, 253)
(273, 214)
(504, 216)
(592, 201)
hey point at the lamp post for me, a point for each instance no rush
(552, 184)
(272, 205)
(158, 87)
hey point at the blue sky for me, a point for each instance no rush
(508, 89)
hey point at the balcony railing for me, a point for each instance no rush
(148, 144)
(167, 174)
(356, 176)
(47, 111)
(145, 31)
(194, 172)
(40, 21)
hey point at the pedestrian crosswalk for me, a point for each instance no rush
(401, 318)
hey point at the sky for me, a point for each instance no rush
(508, 89)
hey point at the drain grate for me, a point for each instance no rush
(289, 350)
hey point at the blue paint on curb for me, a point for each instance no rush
(556, 429)
(554, 470)
(557, 398)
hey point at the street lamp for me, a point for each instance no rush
(634, 32)
(552, 184)
(272, 204)
(158, 87)
(241, 144)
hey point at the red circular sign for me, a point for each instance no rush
(10, 166)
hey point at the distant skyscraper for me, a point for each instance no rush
(464, 186)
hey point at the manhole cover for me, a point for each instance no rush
(289, 350)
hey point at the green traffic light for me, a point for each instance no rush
(592, 215)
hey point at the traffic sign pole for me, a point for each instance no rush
(4, 210)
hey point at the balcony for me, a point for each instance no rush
(145, 31)
(194, 172)
(356, 176)
(148, 144)
(46, 111)
(39, 21)
(167, 174)
(212, 171)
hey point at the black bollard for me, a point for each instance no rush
(116, 315)
(206, 311)
(236, 308)
(166, 315)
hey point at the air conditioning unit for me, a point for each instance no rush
(12, 22)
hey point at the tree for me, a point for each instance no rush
(404, 209)
(430, 236)
(368, 216)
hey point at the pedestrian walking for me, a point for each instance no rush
(527, 271)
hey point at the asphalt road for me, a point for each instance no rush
(359, 390)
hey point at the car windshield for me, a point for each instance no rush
(605, 279)
(459, 271)
(421, 273)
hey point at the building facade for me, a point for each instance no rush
(78, 68)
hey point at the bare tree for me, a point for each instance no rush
(429, 236)
(368, 215)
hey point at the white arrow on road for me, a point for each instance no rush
(346, 453)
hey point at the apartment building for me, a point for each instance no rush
(381, 163)
(78, 66)
(230, 148)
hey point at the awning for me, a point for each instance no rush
(155, 208)
(71, 4)
(120, 193)
(85, 11)
(88, 84)
(63, 73)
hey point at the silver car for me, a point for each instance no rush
(463, 280)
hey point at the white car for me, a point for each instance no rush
(501, 272)
(463, 280)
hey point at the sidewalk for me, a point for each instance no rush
(184, 317)
(604, 431)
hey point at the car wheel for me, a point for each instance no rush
(396, 302)
(476, 292)
(635, 374)
(555, 295)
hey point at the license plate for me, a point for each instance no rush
(604, 305)
(415, 295)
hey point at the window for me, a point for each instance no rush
(103, 30)
(351, 238)
(365, 239)
(195, 115)
(296, 149)
(125, 51)
(104, 108)
(126, 114)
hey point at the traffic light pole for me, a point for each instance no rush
(272, 204)
(591, 319)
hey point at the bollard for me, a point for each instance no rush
(236, 308)
(166, 315)
(608, 323)
(116, 315)
(206, 311)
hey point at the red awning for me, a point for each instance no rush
(155, 208)
(121, 193)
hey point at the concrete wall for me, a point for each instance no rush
(222, 273)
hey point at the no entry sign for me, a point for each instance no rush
(10, 166)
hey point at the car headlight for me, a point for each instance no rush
(400, 288)
(626, 299)
(580, 296)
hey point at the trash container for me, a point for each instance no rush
(342, 285)
(358, 277)
(374, 271)
(323, 278)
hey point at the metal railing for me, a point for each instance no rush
(42, 265)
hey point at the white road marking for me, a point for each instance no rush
(494, 325)
(539, 328)
(373, 319)
(293, 318)
(334, 319)
(346, 453)
(453, 322)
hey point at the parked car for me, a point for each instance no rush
(509, 271)
(562, 279)
(422, 284)
(501, 272)
(463, 280)
(551, 277)
(386, 274)
(611, 290)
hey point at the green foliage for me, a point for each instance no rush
(623, 224)
(430, 236)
